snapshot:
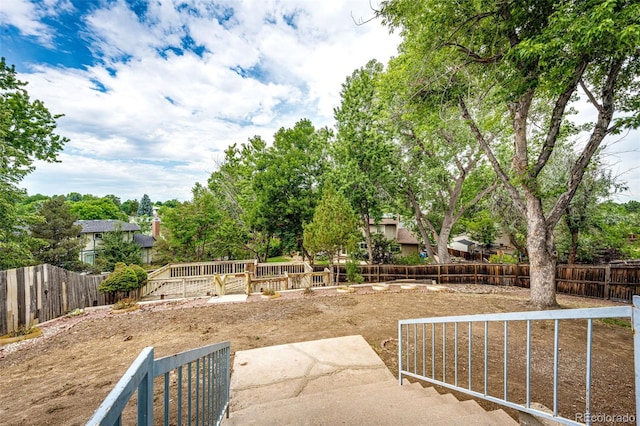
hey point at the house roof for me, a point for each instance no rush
(110, 225)
(406, 237)
(144, 241)
(465, 242)
(383, 222)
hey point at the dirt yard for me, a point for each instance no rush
(62, 377)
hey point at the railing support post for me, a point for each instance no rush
(145, 393)
(400, 354)
(635, 314)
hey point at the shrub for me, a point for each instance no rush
(140, 273)
(268, 292)
(502, 258)
(353, 276)
(412, 259)
(123, 278)
(124, 303)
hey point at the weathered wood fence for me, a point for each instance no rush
(41, 293)
(618, 282)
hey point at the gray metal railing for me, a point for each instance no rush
(197, 381)
(420, 351)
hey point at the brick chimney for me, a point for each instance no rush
(155, 227)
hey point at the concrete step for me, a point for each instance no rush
(338, 381)
(381, 403)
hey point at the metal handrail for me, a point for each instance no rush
(207, 387)
(408, 360)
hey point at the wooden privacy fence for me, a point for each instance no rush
(41, 293)
(618, 282)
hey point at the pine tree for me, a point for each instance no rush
(58, 235)
(145, 208)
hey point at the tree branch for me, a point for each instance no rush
(475, 201)
(476, 58)
(600, 130)
(556, 119)
(592, 98)
(517, 200)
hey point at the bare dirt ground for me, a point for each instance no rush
(62, 377)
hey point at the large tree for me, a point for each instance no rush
(529, 60)
(93, 208)
(362, 154)
(60, 245)
(232, 186)
(27, 133)
(287, 183)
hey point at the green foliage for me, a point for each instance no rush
(334, 225)
(353, 272)
(117, 246)
(27, 134)
(141, 274)
(192, 228)
(26, 129)
(502, 258)
(123, 278)
(93, 208)
(130, 207)
(286, 184)
(364, 159)
(412, 259)
(60, 245)
(481, 226)
(145, 208)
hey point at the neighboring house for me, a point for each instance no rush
(93, 230)
(146, 243)
(463, 243)
(393, 230)
(466, 244)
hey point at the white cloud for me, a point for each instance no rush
(145, 118)
(26, 16)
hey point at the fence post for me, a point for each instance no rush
(635, 314)
(607, 281)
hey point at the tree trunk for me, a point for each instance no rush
(420, 222)
(443, 246)
(542, 256)
(573, 250)
(367, 236)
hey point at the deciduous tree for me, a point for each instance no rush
(27, 133)
(529, 60)
(363, 157)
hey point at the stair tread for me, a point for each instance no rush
(377, 412)
(390, 392)
(392, 403)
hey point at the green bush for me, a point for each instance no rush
(353, 276)
(412, 259)
(123, 278)
(140, 273)
(502, 258)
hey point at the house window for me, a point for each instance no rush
(97, 236)
(89, 258)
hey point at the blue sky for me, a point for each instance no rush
(154, 91)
